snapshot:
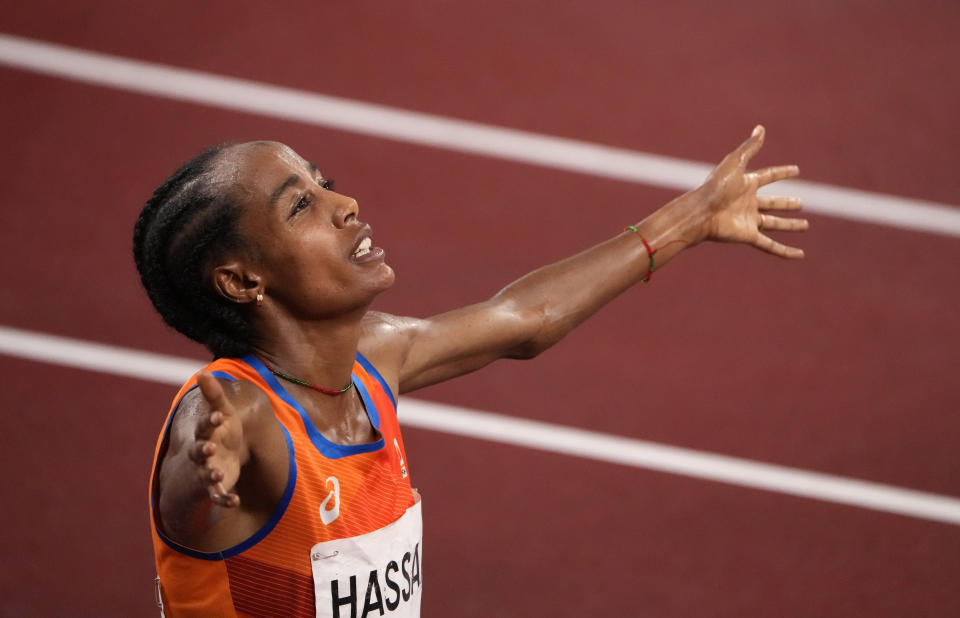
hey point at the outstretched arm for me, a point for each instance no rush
(210, 495)
(205, 452)
(536, 311)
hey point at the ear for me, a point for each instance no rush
(236, 283)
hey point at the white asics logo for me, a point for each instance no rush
(403, 466)
(327, 516)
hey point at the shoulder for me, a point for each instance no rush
(378, 326)
(383, 335)
(244, 395)
(385, 342)
(251, 403)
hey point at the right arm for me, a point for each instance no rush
(211, 482)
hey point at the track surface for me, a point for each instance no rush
(844, 363)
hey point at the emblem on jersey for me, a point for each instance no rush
(403, 466)
(328, 514)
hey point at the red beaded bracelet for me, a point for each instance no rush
(650, 252)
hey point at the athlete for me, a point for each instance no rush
(280, 482)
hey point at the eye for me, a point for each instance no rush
(326, 183)
(301, 203)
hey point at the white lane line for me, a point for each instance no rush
(436, 131)
(96, 356)
(526, 433)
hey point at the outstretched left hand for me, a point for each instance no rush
(735, 208)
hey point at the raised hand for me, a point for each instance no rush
(735, 208)
(219, 450)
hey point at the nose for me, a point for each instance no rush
(346, 211)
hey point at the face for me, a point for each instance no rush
(308, 248)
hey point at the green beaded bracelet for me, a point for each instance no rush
(650, 252)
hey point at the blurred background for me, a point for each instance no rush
(843, 364)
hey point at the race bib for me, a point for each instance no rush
(374, 574)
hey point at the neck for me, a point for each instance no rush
(319, 352)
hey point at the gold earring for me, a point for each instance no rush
(259, 299)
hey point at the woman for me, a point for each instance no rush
(280, 483)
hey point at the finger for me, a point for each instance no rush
(771, 202)
(212, 390)
(230, 500)
(752, 146)
(210, 476)
(207, 424)
(218, 492)
(773, 174)
(771, 246)
(214, 476)
(783, 224)
(220, 496)
(202, 451)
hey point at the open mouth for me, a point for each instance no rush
(363, 248)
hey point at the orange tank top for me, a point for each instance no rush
(345, 539)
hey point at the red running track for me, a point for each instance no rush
(843, 363)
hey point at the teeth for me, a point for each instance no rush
(363, 248)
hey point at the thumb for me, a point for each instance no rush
(752, 145)
(211, 389)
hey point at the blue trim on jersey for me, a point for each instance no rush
(367, 402)
(330, 450)
(264, 530)
(368, 366)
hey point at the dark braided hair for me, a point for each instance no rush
(183, 227)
